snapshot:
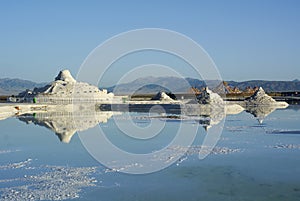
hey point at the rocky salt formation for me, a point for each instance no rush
(64, 90)
(260, 98)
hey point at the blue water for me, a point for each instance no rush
(262, 162)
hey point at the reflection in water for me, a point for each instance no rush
(67, 120)
(33, 179)
(66, 123)
(261, 112)
(205, 114)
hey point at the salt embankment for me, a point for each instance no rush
(12, 109)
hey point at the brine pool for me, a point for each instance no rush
(252, 160)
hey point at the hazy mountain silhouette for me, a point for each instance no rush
(14, 86)
(181, 85)
(153, 85)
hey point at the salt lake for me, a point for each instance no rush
(254, 158)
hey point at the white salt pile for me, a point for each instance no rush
(209, 97)
(65, 90)
(260, 98)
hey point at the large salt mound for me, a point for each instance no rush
(261, 98)
(65, 90)
(65, 84)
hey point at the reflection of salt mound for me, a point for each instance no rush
(211, 109)
(66, 123)
(261, 104)
(65, 90)
(260, 112)
(162, 96)
(261, 98)
(206, 114)
(209, 97)
(211, 120)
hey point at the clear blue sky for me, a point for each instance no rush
(246, 39)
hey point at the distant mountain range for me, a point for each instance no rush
(15, 86)
(153, 85)
(269, 86)
(179, 85)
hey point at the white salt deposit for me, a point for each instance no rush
(16, 165)
(286, 146)
(8, 151)
(194, 150)
(54, 183)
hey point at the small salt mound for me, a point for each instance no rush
(162, 96)
(209, 97)
(260, 98)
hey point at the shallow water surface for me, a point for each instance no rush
(254, 159)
